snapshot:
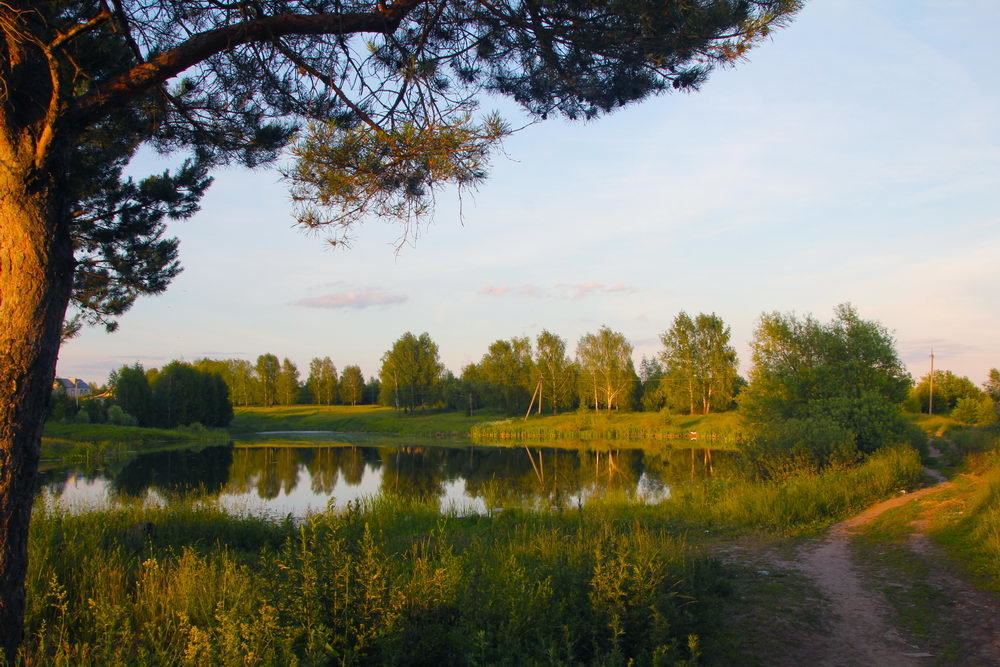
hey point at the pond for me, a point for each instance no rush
(275, 476)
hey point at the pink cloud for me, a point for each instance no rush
(352, 299)
(582, 290)
(495, 291)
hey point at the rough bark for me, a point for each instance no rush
(36, 273)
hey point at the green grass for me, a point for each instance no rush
(61, 441)
(932, 425)
(353, 419)
(967, 522)
(800, 503)
(386, 582)
(723, 427)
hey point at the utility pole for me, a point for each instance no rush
(930, 403)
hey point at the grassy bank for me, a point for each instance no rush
(583, 426)
(61, 441)
(484, 426)
(800, 503)
(353, 419)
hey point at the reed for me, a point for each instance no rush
(387, 581)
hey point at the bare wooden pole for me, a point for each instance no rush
(930, 404)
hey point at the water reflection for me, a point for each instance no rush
(281, 480)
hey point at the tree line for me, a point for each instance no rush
(272, 381)
(695, 371)
(179, 394)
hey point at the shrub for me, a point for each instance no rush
(799, 446)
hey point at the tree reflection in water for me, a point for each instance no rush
(486, 476)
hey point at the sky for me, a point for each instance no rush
(854, 158)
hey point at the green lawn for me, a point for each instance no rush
(348, 419)
(569, 425)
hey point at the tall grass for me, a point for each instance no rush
(385, 582)
(799, 502)
(973, 534)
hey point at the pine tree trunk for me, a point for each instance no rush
(36, 273)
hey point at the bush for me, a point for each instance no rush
(82, 417)
(119, 417)
(799, 446)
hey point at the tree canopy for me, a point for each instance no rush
(846, 371)
(699, 364)
(410, 372)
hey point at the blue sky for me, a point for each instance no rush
(854, 158)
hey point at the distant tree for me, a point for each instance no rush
(978, 411)
(183, 395)
(268, 367)
(699, 362)
(506, 369)
(373, 389)
(607, 374)
(352, 385)
(555, 372)
(948, 390)
(654, 396)
(241, 380)
(287, 383)
(992, 384)
(323, 380)
(475, 388)
(131, 392)
(450, 392)
(846, 371)
(410, 371)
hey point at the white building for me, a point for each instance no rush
(74, 387)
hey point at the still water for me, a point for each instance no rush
(276, 477)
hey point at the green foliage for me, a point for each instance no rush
(607, 375)
(344, 172)
(699, 364)
(182, 395)
(132, 392)
(410, 372)
(992, 384)
(556, 372)
(268, 368)
(119, 417)
(352, 385)
(800, 446)
(979, 411)
(846, 371)
(322, 381)
(287, 383)
(948, 390)
(505, 376)
(798, 501)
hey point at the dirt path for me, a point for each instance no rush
(861, 633)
